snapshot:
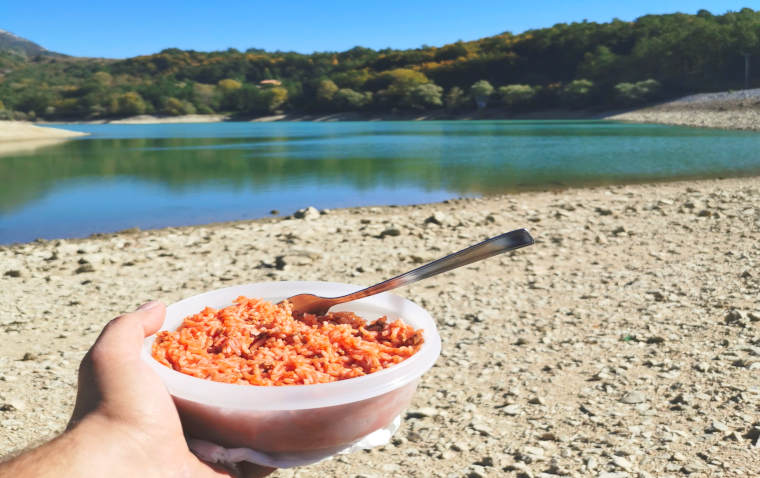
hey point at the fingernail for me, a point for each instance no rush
(149, 305)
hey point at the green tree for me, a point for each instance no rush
(424, 96)
(480, 92)
(274, 98)
(326, 90)
(630, 94)
(177, 107)
(346, 99)
(577, 93)
(127, 104)
(456, 99)
(517, 96)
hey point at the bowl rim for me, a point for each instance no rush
(297, 397)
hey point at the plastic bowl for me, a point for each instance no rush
(297, 418)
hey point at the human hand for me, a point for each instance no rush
(121, 399)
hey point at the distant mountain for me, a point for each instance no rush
(10, 43)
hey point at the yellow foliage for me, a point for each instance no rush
(229, 85)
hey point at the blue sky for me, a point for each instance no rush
(120, 29)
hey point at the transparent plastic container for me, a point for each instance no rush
(297, 418)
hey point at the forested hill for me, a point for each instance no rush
(583, 65)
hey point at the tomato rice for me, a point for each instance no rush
(260, 343)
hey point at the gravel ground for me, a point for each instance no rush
(625, 343)
(722, 110)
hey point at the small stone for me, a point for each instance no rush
(548, 436)
(392, 231)
(12, 273)
(511, 410)
(533, 453)
(717, 426)
(622, 463)
(307, 213)
(537, 400)
(29, 356)
(603, 211)
(704, 213)
(479, 425)
(633, 398)
(620, 230)
(84, 268)
(702, 367)
(438, 218)
(421, 413)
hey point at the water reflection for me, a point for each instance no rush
(215, 166)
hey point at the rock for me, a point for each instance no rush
(307, 213)
(531, 454)
(29, 356)
(717, 426)
(438, 218)
(622, 463)
(702, 367)
(391, 231)
(12, 273)
(84, 268)
(485, 461)
(511, 410)
(479, 425)
(634, 397)
(603, 211)
(421, 413)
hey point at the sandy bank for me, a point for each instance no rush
(723, 110)
(17, 136)
(626, 341)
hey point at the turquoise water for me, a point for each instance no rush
(147, 176)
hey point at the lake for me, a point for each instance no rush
(149, 176)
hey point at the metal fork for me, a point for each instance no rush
(313, 304)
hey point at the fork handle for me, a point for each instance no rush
(483, 250)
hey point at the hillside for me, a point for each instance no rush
(10, 43)
(577, 66)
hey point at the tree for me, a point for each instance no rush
(127, 104)
(516, 96)
(326, 90)
(577, 93)
(348, 99)
(455, 99)
(630, 94)
(425, 96)
(480, 92)
(274, 98)
(599, 65)
(402, 82)
(176, 107)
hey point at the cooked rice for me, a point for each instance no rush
(259, 343)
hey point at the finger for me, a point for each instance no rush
(121, 340)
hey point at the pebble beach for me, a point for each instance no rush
(624, 343)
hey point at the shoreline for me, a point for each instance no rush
(617, 334)
(18, 136)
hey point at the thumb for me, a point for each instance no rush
(121, 340)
